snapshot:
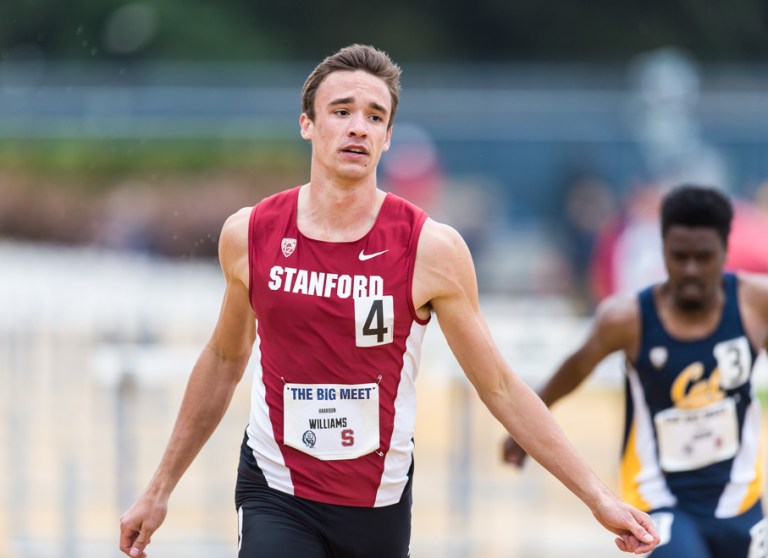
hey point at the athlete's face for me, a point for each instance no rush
(349, 132)
(694, 258)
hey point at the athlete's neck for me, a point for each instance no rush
(337, 214)
(687, 321)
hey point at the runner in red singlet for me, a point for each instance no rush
(335, 282)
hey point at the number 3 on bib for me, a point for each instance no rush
(374, 321)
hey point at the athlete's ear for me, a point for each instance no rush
(388, 140)
(306, 126)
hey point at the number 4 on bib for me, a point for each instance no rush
(374, 321)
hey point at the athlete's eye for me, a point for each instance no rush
(678, 256)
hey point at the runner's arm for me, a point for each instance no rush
(753, 290)
(445, 281)
(209, 390)
(614, 328)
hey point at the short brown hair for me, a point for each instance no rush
(349, 59)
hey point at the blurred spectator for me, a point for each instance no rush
(412, 168)
(468, 206)
(665, 120)
(666, 126)
(127, 216)
(588, 204)
(746, 249)
(627, 252)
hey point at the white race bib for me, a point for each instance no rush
(734, 360)
(374, 321)
(694, 438)
(758, 547)
(331, 421)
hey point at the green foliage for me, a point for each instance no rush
(91, 162)
(428, 30)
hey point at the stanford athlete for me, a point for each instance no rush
(332, 412)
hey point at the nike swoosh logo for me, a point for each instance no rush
(363, 256)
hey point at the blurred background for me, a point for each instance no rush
(544, 132)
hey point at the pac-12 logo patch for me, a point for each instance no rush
(658, 356)
(288, 246)
(309, 438)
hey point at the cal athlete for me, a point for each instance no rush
(691, 453)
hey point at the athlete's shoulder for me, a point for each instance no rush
(441, 236)
(439, 241)
(235, 223)
(618, 314)
(443, 264)
(233, 241)
(757, 282)
(753, 291)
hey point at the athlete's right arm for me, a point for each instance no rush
(615, 328)
(209, 390)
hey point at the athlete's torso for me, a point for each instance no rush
(333, 404)
(692, 429)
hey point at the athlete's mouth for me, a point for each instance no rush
(356, 149)
(691, 284)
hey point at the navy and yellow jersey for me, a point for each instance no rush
(691, 437)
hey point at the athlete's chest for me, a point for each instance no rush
(357, 291)
(331, 271)
(695, 374)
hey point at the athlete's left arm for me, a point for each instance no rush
(445, 281)
(753, 295)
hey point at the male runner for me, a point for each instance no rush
(691, 454)
(337, 281)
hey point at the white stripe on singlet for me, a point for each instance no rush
(261, 437)
(651, 485)
(398, 459)
(743, 470)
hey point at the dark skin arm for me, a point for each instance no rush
(753, 302)
(616, 327)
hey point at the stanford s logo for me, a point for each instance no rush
(288, 246)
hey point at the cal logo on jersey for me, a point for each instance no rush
(288, 245)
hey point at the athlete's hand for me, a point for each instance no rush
(635, 529)
(138, 523)
(513, 453)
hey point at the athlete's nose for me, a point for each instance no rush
(358, 127)
(692, 267)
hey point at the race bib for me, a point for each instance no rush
(734, 360)
(694, 438)
(374, 321)
(758, 547)
(331, 421)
